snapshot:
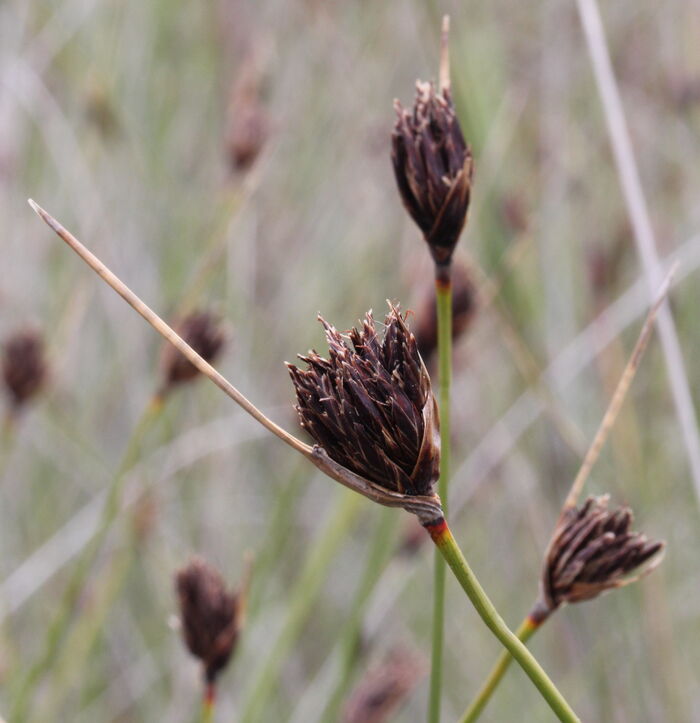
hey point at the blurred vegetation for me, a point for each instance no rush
(116, 117)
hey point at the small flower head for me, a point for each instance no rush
(370, 406)
(464, 307)
(204, 333)
(24, 367)
(433, 168)
(384, 688)
(592, 550)
(211, 616)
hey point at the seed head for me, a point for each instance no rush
(464, 307)
(370, 406)
(211, 616)
(24, 367)
(593, 550)
(203, 332)
(380, 693)
(433, 168)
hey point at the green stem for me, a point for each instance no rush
(301, 601)
(377, 556)
(447, 545)
(476, 707)
(61, 621)
(443, 292)
(208, 704)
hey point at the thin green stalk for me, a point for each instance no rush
(61, 621)
(476, 707)
(301, 601)
(448, 547)
(377, 556)
(208, 704)
(443, 292)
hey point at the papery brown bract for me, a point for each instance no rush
(592, 550)
(24, 368)
(433, 168)
(370, 406)
(204, 333)
(210, 616)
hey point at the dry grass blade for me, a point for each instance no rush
(619, 395)
(167, 332)
(638, 211)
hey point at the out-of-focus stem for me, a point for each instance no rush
(61, 621)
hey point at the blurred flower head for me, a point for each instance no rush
(204, 333)
(384, 688)
(24, 368)
(370, 406)
(593, 550)
(433, 168)
(211, 616)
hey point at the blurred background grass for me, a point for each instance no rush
(114, 116)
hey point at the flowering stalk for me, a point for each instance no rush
(208, 703)
(526, 630)
(448, 548)
(592, 549)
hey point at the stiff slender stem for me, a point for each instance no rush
(447, 545)
(443, 293)
(208, 703)
(58, 628)
(524, 632)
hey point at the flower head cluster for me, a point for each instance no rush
(24, 369)
(433, 168)
(211, 616)
(592, 550)
(370, 406)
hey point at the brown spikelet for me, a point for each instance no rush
(204, 333)
(464, 307)
(592, 550)
(211, 616)
(433, 168)
(384, 689)
(370, 406)
(247, 123)
(24, 368)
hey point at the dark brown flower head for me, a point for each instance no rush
(24, 367)
(433, 168)
(204, 333)
(210, 616)
(383, 689)
(464, 305)
(370, 406)
(592, 550)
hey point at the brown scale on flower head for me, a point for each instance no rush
(592, 550)
(380, 693)
(211, 616)
(464, 307)
(203, 332)
(24, 367)
(370, 406)
(433, 168)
